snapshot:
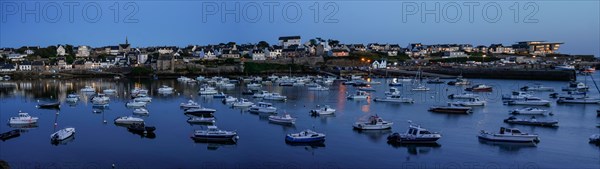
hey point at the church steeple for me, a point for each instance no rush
(126, 41)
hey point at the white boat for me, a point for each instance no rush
(470, 102)
(537, 88)
(207, 90)
(366, 88)
(325, 110)
(509, 135)
(212, 133)
(306, 136)
(354, 77)
(260, 94)
(200, 78)
(420, 88)
(463, 96)
(318, 88)
(405, 79)
(242, 103)
(460, 82)
(262, 107)
(275, 96)
(392, 91)
(136, 104)
(532, 121)
(128, 120)
(298, 83)
(189, 104)
(100, 98)
(72, 98)
(374, 123)
(143, 99)
(201, 111)
(564, 67)
(138, 91)
(530, 111)
(229, 99)
(165, 89)
(141, 111)
(254, 85)
(359, 95)
(22, 118)
(518, 95)
(284, 119)
(529, 102)
(88, 89)
(415, 134)
(576, 86)
(201, 120)
(109, 91)
(184, 79)
(395, 99)
(578, 100)
(62, 134)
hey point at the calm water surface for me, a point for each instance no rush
(261, 144)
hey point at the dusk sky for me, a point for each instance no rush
(180, 23)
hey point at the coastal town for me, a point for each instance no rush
(290, 52)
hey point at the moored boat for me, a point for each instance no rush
(262, 107)
(470, 102)
(509, 135)
(530, 111)
(242, 103)
(395, 99)
(537, 88)
(22, 118)
(414, 135)
(479, 88)
(189, 104)
(52, 105)
(141, 128)
(141, 111)
(62, 134)
(283, 119)
(359, 95)
(201, 119)
(10, 134)
(452, 109)
(595, 138)
(325, 110)
(532, 121)
(374, 123)
(306, 136)
(529, 102)
(463, 96)
(128, 120)
(214, 134)
(200, 111)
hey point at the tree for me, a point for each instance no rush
(333, 42)
(262, 44)
(313, 41)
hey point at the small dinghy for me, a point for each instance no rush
(537, 88)
(201, 119)
(141, 111)
(452, 109)
(395, 99)
(140, 128)
(62, 134)
(214, 134)
(359, 95)
(127, 120)
(72, 98)
(284, 119)
(479, 88)
(189, 104)
(529, 102)
(509, 135)
(10, 134)
(374, 123)
(532, 121)
(530, 111)
(470, 102)
(306, 136)
(325, 110)
(229, 99)
(274, 96)
(143, 99)
(242, 103)
(165, 89)
(414, 135)
(22, 119)
(463, 96)
(53, 105)
(136, 104)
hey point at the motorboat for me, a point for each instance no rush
(254, 85)
(578, 100)
(479, 88)
(72, 98)
(518, 95)
(459, 82)
(22, 118)
(189, 104)
(165, 89)
(420, 88)
(325, 110)
(576, 86)
(220, 95)
(143, 99)
(136, 104)
(509, 135)
(392, 91)
(359, 95)
(283, 119)
(10, 134)
(262, 107)
(100, 98)
(52, 105)
(452, 109)
(529, 102)
(395, 99)
(395, 83)
(318, 88)
(201, 119)
(88, 89)
(138, 91)
(229, 99)
(200, 111)
(532, 121)
(242, 103)
(200, 78)
(568, 94)
(207, 90)
(62, 134)
(435, 81)
(463, 96)
(212, 133)
(184, 79)
(141, 111)
(109, 91)
(537, 88)
(306, 136)
(128, 120)
(595, 138)
(414, 135)
(470, 102)
(260, 94)
(141, 128)
(374, 123)
(530, 111)
(564, 67)
(275, 96)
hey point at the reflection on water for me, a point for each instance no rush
(416, 149)
(508, 147)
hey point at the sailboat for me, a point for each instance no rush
(420, 86)
(583, 99)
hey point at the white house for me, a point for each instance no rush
(286, 41)
(379, 64)
(83, 51)
(60, 51)
(16, 57)
(25, 66)
(258, 55)
(454, 54)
